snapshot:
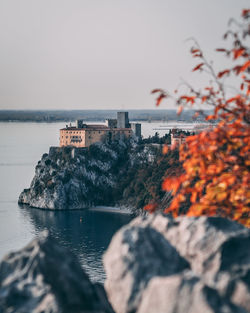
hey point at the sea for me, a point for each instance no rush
(86, 233)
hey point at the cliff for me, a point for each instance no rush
(154, 264)
(74, 178)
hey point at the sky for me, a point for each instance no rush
(103, 54)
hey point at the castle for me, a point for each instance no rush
(84, 135)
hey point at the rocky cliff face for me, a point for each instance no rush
(73, 178)
(154, 264)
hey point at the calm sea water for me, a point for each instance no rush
(21, 146)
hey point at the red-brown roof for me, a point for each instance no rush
(179, 136)
(93, 128)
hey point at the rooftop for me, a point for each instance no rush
(178, 135)
(93, 127)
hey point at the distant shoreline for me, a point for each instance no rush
(97, 120)
(60, 116)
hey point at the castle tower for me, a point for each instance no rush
(136, 128)
(122, 120)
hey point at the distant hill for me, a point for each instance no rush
(91, 115)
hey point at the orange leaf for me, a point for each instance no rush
(195, 50)
(233, 99)
(159, 99)
(197, 55)
(174, 204)
(193, 197)
(165, 149)
(188, 99)
(210, 117)
(245, 66)
(196, 210)
(171, 184)
(220, 74)
(197, 67)
(150, 207)
(179, 110)
(238, 53)
(203, 99)
(237, 69)
(245, 12)
(156, 90)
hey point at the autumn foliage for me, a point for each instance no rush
(216, 162)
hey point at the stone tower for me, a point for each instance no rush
(122, 120)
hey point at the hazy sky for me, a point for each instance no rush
(102, 54)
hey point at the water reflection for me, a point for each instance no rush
(86, 233)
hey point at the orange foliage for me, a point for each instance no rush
(216, 162)
(150, 207)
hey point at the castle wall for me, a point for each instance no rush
(72, 137)
(92, 136)
(111, 123)
(86, 137)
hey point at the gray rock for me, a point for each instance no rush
(24, 197)
(77, 178)
(44, 277)
(184, 293)
(217, 250)
(210, 244)
(135, 255)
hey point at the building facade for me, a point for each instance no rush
(84, 135)
(177, 139)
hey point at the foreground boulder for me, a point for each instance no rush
(215, 249)
(183, 293)
(136, 255)
(44, 277)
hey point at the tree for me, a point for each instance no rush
(216, 162)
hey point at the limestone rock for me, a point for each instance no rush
(184, 293)
(44, 277)
(135, 255)
(216, 249)
(77, 178)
